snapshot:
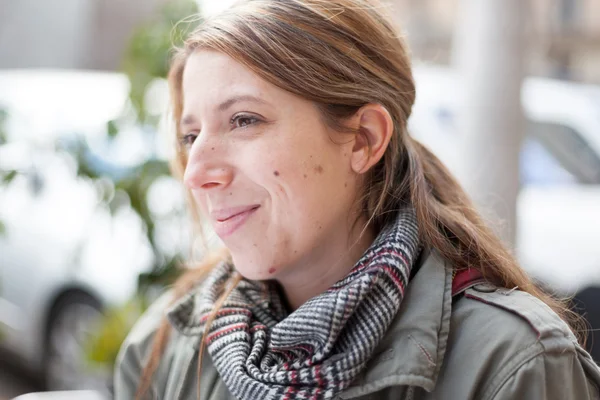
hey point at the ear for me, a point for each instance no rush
(375, 129)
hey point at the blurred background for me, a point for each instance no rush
(92, 226)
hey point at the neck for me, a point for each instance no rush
(326, 266)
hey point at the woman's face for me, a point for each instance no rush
(274, 181)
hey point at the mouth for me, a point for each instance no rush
(227, 221)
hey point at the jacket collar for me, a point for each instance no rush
(412, 351)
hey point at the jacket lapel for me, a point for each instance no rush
(412, 351)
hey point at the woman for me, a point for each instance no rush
(354, 264)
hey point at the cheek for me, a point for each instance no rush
(200, 204)
(308, 192)
(299, 175)
(294, 178)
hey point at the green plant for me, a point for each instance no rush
(102, 348)
(149, 50)
(146, 59)
(3, 117)
(5, 176)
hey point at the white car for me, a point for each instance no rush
(64, 256)
(558, 208)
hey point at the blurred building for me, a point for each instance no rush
(86, 34)
(563, 35)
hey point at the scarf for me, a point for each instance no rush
(262, 352)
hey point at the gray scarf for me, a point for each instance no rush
(315, 352)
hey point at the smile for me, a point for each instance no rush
(227, 221)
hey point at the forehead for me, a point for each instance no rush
(210, 76)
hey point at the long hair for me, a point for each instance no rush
(342, 55)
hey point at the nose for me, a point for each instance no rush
(206, 167)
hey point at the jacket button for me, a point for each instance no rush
(485, 288)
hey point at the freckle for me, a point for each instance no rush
(276, 173)
(271, 270)
(319, 169)
(212, 148)
(305, 176)
(230, 193)
(345, 154)
(295, 251)
(254, 244)
(345, 185)
(320, 227)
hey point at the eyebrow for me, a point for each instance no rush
(236, 99)
(187, 120)
(190, 120)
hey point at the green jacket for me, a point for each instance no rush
(487, 344)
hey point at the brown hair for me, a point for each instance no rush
(342, 55)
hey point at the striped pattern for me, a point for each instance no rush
(317, 351)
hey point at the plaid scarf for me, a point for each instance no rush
(315, 352)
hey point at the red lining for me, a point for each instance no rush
(464, 279)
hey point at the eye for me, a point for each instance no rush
(188, 139)
(243, 120)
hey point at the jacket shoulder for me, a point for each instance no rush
(512, 311)
(136, 348)
(147, 325)
(503, 335)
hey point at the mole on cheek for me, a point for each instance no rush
(276, 173)
(271, 270)
(319, 169)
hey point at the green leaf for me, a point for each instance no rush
(3, 118)
(8, 178)
(112, 128)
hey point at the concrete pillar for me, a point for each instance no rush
(488, 54)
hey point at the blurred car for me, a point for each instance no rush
(64, 255)
(558, 208)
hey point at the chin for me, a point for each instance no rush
(251, 268)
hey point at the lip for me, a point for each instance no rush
(228, 220)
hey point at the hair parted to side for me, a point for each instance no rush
(342, 55)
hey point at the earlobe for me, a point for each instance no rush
(373, 136)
